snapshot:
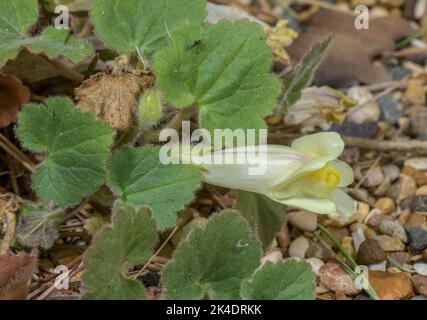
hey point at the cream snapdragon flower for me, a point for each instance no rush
(306, 175)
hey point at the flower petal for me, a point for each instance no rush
(321, 206)
(250, 168)
(344, 203)
(321, 144)
(346, 173)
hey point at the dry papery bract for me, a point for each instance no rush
(15, 275)
(113, 97)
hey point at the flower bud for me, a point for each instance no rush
(150, 107)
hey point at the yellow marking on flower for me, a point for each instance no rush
(324, 181)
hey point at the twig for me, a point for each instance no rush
(64, 70)
(381, 85)
(413, 146)
(53, 286)
(373, 165)
(401, 83)
(409, 52)
(157, 252)
(10, 148)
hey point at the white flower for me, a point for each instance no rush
(306, 175)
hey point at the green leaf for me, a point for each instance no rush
(77, 148)
(129, 241)
(125, 25)
(285, 280)
(139, 178)
(264, 215)
(213, 261)
(17, 16)
(222, 69)
(302, 76)
(38, 226)
(54, 42)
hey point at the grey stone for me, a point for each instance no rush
(391, 110)
(417, 238)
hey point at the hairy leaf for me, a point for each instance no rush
(139, 178)
(302, 76)
(16, 17)
(222, 69)
(264, 215)
(126, 25)
(128, 241)
(54, 42)
(213, 261)
(38, 226)
(77, 147)
(285, 280)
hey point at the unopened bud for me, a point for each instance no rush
(150, 107)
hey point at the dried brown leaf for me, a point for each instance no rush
(113, 98)
(351, 57)
(13, 96)
(15, 275)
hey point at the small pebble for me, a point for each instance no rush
(382, 266)
(402, 257)
(404, 216)
(419, 177)
(274, 257)
(408, 187)
(316, 264)
(358, 237)
(299, 247)
(421, 191)
(415, 93)
(391, 110)
(284, 238)
(303, 220)
(347, 244)
(417, 238)
(419, 163)
(391, 171)
(370, 233)
(420, 283)
(370, 252)
(333, 277)
(386, 205)
(350, 129)
(421, 268)
(374, 178)
(391, 286)
(418, 117)
(419, 204)
(317, 251)
(394, 229)
(425, 255)
(415, 220)
(390, 243)
(367, 110)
